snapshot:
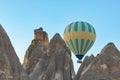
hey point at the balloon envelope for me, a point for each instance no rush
(79, 37)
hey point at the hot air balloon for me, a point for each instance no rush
(79, 37)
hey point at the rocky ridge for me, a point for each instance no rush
(49, 62)
(10, 66)
(105, 66)
(46, 60)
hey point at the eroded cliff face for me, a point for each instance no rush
(49, 62)
(10, 66)
(105, 66)
(46, 60)
(37, 48)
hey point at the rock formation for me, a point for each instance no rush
(49, 62)
(10, 66)
(40, 35)
(105, 66)
(36, 49)
(52, 61)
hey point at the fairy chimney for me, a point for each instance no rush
(40, 35)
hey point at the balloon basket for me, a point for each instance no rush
(79, 61)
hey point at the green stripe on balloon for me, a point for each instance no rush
(83, 26)
(89, 46)
(71, 43)
(76, 27)
(89, 28)
(76, 41)
(82, 44)
(70, 46)
(87, 42)
(94, 30)
(69, 27)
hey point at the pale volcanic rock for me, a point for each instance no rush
(48, 61)
(105, 66)
(10, 66)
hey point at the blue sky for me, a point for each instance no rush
(20, 17)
